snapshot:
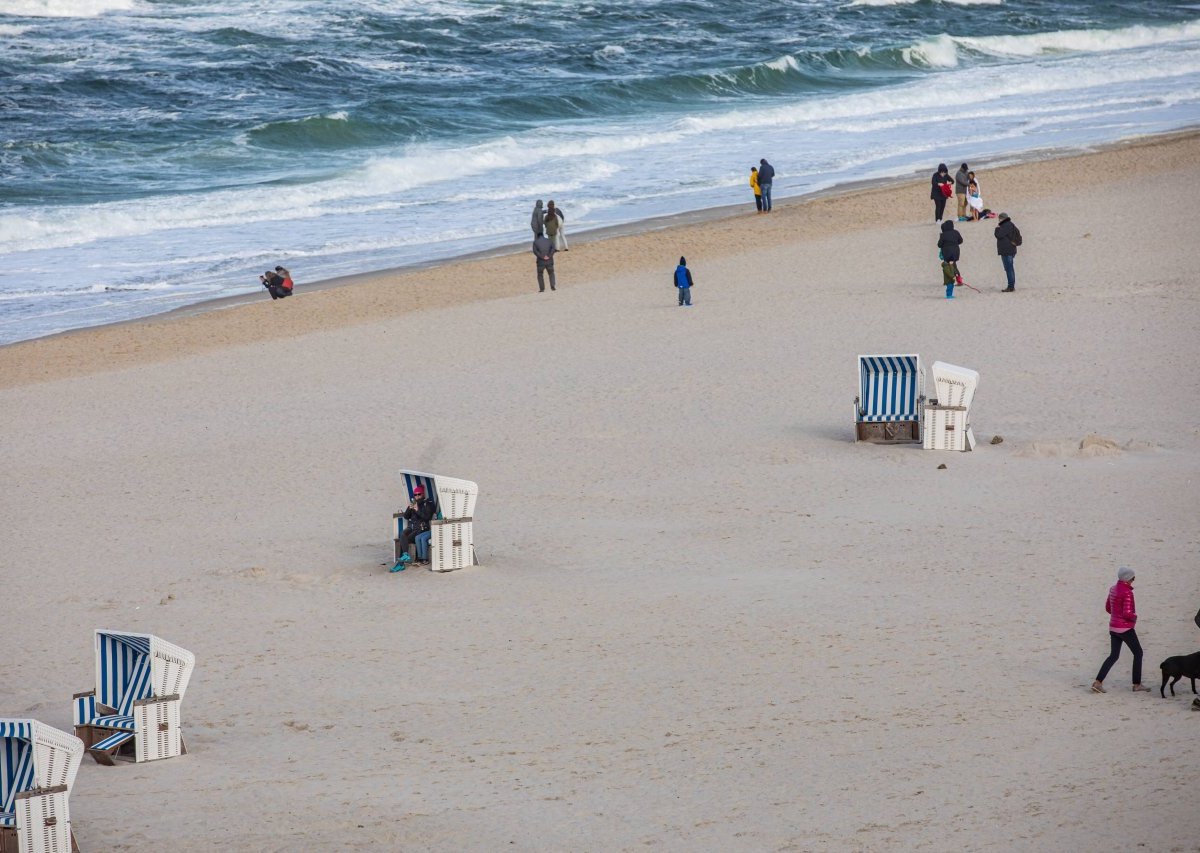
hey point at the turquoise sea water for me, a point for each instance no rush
(155, 153)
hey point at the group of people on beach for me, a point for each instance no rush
(549, 236)
(965, 187)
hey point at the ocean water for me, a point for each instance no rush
(157, 153)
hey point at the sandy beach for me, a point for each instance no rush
(705, 618)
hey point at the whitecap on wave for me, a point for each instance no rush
(64, 8)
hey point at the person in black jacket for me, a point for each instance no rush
(948, 243)
(1008, 237)
(766, 176)
(421, 511)
(940, 178)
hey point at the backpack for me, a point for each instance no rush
(1016, 236)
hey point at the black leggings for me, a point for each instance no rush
(1130, 639)
(939, 206)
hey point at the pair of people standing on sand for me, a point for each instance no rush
(761, 179)
(550, 222)
(1008, 237)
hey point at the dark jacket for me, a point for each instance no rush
(939, 178)
(1008, 237)
(960, 182)
(418, 517)
(766, 173)
(543, 247)
(949, 242)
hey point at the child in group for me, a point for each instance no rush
(754, 186)
(974, 202)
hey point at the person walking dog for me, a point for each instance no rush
(1008, 237)
(1122, 617)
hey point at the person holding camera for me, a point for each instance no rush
(417, 518)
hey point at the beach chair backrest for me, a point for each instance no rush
(16, 761)
(122, 669)
(412, 479)
(172, 668)
(890, 387)
(456, 498)
(954, 386)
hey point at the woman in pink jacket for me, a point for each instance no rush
(1122, 617)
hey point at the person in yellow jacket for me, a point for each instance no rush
(754, 186)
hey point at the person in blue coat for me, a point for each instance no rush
(683, 282)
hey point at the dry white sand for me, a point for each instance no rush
(705, 619)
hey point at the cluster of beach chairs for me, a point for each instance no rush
(891, 406)
(132, 713)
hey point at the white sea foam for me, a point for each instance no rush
(12, 30)
(943, 51)
(609, 52)
(64, 8)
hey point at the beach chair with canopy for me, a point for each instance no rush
(948, 415)
(140, 683)
(37, 769)
(452, 531)
(891, 393)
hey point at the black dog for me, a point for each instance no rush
(1181, 666)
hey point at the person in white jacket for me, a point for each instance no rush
(555, 229)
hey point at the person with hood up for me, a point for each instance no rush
(940, 190)
(555, 229)
(1008, 237)
(948, 242)
(766, 177)
(537, 221)
(961, 179)
(1122, 616)
(755, 188)
(683, 282)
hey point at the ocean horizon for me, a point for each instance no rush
(155, 154)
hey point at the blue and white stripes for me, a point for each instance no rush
(16, 763)
(123, 670)
(412, 480)
(890, 387)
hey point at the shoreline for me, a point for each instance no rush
(124, 343)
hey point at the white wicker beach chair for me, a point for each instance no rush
(37, 769)
(948, 415)
(452, 532)
(140, 683)
(891, 393)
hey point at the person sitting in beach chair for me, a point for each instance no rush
(421, 511)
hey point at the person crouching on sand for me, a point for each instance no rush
(683, 283)
(1121, 619)
(277, 285)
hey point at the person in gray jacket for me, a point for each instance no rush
(537, 219)
(543, 250)
(961, 179)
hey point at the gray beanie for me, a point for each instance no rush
(1125, 573)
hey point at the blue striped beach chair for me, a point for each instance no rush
(891, 396)
(140, 683)
(452, 532)
(37, 769)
